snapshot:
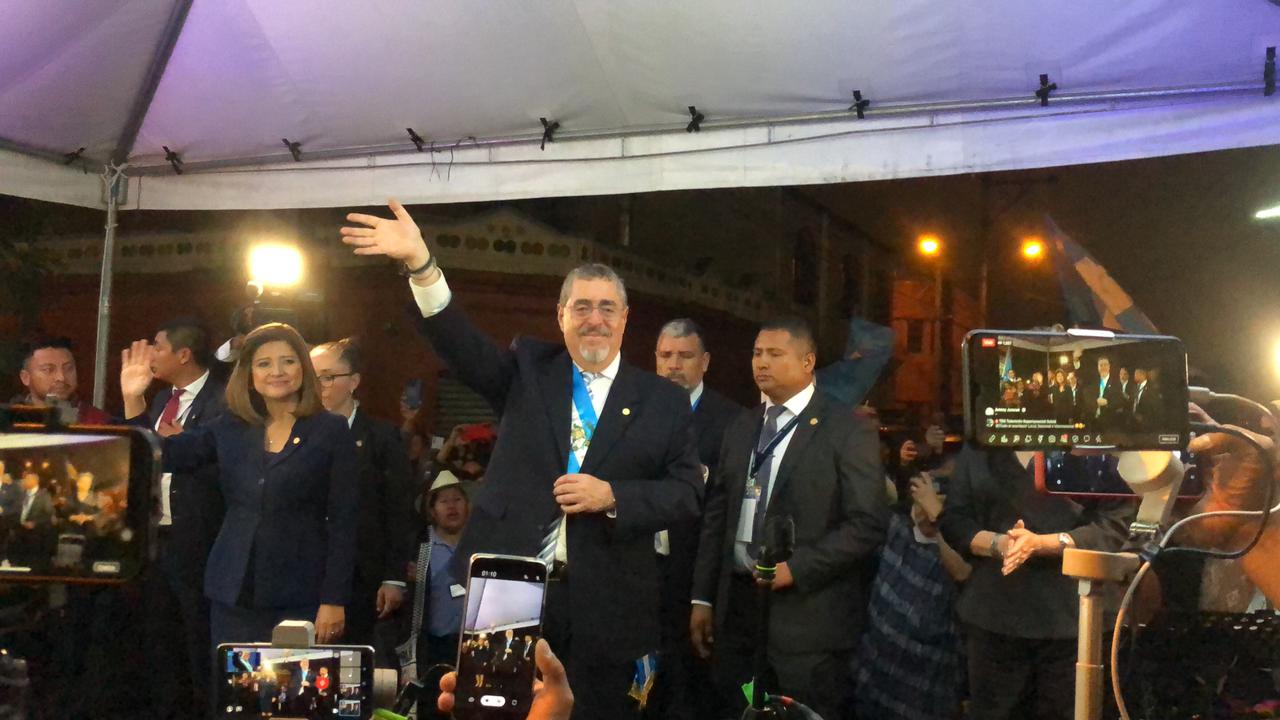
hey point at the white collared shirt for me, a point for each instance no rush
(188, 397)
(794, 406)
(432, 298)
(695, 396)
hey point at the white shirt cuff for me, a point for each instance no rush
(703, 603)
(432, 298)
(397, 583)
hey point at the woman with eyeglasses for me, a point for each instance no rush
(286, 549)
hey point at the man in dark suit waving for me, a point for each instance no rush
(804, 456)
(1105, 399)
(593, 458)
(189, 513)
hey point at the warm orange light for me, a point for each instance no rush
(929, 245)
(1032, 248)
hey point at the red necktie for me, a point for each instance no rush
(170, 413)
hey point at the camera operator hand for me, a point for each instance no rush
(1237, 481)
(136, 376)
(399, 239)
(552, 698)
(908, 452)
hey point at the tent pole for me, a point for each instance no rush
(113, 179)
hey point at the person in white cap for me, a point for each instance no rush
(446, 506)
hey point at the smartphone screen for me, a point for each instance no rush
(1076, 389)
(261, 681)
(1063, 473)
(74, 504)
(500, 628)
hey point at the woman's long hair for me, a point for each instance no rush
(245, 401)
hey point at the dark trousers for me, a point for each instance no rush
(1022, 678)
(819, 679)
(599, 686)
(679, 692)
(177, 634)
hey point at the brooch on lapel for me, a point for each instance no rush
(360, 443)
(813, 421)
(297, 440)
(626, 411)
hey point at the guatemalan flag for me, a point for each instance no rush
(1092, 297)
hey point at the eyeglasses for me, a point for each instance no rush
(327, 380)
(608, 311)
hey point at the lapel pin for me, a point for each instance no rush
(813, 421)
(359, 443)
(626, 411)
(297, 440)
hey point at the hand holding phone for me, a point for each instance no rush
(501, 627)
(552, 699)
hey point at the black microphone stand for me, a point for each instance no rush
(779, 541)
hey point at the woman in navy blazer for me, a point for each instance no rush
(287, 472)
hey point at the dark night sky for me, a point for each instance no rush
(1177, 233)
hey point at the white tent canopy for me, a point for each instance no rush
(951, 88)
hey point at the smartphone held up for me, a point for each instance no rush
(501, 626)
(1079, 388)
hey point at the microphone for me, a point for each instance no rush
(778, 544)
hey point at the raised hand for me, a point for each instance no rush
(397, 238)
(135, 369)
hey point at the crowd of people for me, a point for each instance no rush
(1082, 389)
(53, 513)
(923, 576)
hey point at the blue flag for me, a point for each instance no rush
(1093, 298)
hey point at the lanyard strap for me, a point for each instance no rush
(758, 458)
(586, 415)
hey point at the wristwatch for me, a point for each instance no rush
(1064, 541)
(995, 546)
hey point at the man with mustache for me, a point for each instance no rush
(681, 356)
(593, 458)
(49, 375)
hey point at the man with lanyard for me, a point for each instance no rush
(803, 456)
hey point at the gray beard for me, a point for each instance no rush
(594, 357)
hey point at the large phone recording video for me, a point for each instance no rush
(263, 681)
(500, 629)
(1080, 388)
(74, 502)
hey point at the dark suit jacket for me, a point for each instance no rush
(387, 526)
(710, 420)
(294, 513)
(1065, 404)
(1146, 407)
(1107, 417)
(10, 499)
(831, 483)
(195, 501)
(41, 512)
(642, 446)
(990, 490)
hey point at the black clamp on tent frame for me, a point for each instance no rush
(548, 132)
(695, 120)
(173, 159)
(416, 138)
(1269, 73)
(1046, 87)
(295, 149)
(71, 157)
(859, 105)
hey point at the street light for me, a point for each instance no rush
(1032, 248)
(1268, 214)
(929, 244)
